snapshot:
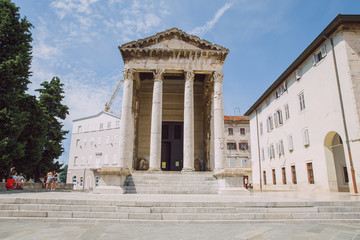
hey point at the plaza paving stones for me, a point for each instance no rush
(59, 206)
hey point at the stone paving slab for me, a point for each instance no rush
(184, 231)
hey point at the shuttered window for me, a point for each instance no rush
(293, 174)
(310, 173)
(283, 170)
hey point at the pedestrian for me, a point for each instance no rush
(49, 180)
(56, 178)
(10, 183)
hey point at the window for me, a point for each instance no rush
(290, 143)
(79, 129)
(281, 90)
(107, 140)
(346, 176)
(117, 124)
(317, 57)
(109, 125)
(278, 118)
(99, 140)
(262, 154)
(115, 160)
(242, 131)
(264, 176)
(74, 181)
(244, 162)
(310, 173)
(76, 161)
(298, 74)
(97, 179)
(89, 161)
(281, 147)
(243, 146)
(106, 159)
(77, 142)
(261, 128)
(81, 181)
(274, 176)
(287, 112)
(230, 131)
(92, 141)
(231, 146)
(101, 126)
(283, 175)
(305, 135)
(116, 139)
(232, 162)
(84, 142)
(302, 101)
(272, 151)
(82, 160)
(269, 123)
(293, 174)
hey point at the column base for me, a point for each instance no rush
(188, 170)
(231, 181)
(154, 170)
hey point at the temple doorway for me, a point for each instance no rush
(172, 146)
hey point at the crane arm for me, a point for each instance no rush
(108, 104)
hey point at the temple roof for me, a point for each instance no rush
(170, 43)
(173, 33)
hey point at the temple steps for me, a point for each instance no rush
(171, 183)
(25, 209)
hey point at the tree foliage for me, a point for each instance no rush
(30, 128)
(15, 59)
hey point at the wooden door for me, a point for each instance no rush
(172, 146)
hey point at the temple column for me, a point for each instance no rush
(126, 115)
(218, 121)
(189, 122)
(156, 121)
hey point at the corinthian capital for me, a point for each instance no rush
(129, 73)
(218, 76)
(189, 76)
(159, 74)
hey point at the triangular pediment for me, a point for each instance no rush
(173, 39)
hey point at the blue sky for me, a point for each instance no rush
(77, 41)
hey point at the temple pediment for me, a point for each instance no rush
(172, 43)
(173, 39)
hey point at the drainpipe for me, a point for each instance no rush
(343, 116)
(258, 143)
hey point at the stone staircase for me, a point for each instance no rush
(92, 210)
(171, 183)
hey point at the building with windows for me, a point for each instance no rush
(94, 143)
(237, 140)
(305, 128)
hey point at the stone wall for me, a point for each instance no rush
(37, 186)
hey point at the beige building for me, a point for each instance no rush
(237, 140)
(305, 129)
(94, 143)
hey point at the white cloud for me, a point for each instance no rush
(65, 7)
(209, 25)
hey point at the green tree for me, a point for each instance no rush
(15, 60)
(63, 173)
(51, 96)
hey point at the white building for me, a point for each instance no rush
(305, 129)
(237, 142)
(94, 143)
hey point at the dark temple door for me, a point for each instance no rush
(172, 146)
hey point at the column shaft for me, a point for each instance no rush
(218, 121)
(156, 121)
(126, 115)
(188, 154)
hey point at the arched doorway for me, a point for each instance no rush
(337, 171)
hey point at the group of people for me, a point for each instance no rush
(15, 180)
(50, 180)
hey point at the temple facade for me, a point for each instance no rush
(172, 110)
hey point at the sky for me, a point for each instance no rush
(77, 41)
